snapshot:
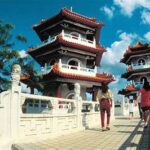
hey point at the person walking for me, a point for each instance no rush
(145, 102)
(105, 101)
(131, 108)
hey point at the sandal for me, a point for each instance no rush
(107, 128)
(103, 129)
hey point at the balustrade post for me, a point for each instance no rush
(63, 33)
(15, 107)
(94, 42)
(95, 69)
(60, 63)
(78, 99)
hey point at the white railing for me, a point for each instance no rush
(77, 70)
(70, 38)
(88, 106)
(141, 66)
(78, 40)
(53, 106)
(70, 69)
(48, 41)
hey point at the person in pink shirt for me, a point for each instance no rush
(145, 102)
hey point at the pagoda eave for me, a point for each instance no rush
(60, 41)
(127, 93)
(66, 14)
(128, 74)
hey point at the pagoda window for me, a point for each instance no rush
(141, 62)
(75, 35)
(70, 96)
(74, 63)
(90, 37)
(143, 80)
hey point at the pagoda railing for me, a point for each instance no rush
(70, 38)
(141, 66)
(79, 40)
(77, 69)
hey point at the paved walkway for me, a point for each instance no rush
(125, 134)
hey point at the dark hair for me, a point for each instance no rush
(104, 88)
(146, 86)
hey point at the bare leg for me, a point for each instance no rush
(146, 117)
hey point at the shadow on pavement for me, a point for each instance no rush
(129, 143)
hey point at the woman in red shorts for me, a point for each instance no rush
(145, 102)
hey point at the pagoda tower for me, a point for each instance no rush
(69, 53)
(137, 59)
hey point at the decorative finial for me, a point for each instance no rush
(71, 9)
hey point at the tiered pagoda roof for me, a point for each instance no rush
(132, 71)
(56, 72)
(137, 49)
(60, 41)
(67, 14)
(128, 90)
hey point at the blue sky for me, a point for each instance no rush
(126, 22)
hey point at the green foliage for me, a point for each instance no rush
(21, 38)
(9, 56)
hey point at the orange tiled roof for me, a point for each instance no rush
(129, 69)
(73, 16)
(103, 77)
(130, 87)
(138, 45)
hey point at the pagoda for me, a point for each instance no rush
(137, 59)
(69, 53)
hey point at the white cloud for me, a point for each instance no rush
(23, 53)
(111, 61)
(145, 16)
(115, 51)
(108, 11)
(128, 6)
(147, 36)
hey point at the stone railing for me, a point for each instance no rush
(141, 66)
(70, 69)
(70, 38)
(59, 116)
(78, 40)
(77, 69)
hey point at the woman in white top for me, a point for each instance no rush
(105, 101)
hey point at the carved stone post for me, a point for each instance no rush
(78, 99)
(15, 107)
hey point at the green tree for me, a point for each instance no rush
(10, 56)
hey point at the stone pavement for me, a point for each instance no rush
(125, 134)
